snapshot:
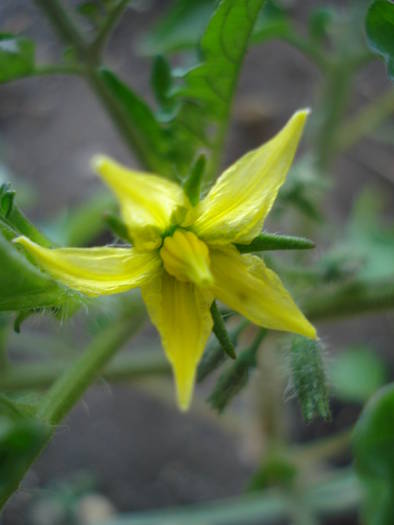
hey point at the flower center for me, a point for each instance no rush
(187, 258)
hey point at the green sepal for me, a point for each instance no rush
(219, 329)
(268, 241)
(12, 218)
(214, 355)
(236, 377)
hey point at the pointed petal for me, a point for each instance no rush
(181, 313)
(246, 285)
(235, 208)
(95, 271)
(149, 204)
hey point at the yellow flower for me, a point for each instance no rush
(184, 257)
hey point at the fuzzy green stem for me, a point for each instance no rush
(70, 386)
(40, 375)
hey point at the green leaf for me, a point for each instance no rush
(223, 46)
(380, 31)
(24, 287)
(16, 57)
(273, 22)
(368, 238)
(356, 374)
(180, 28)
(276, 471)
(162, 83)
(373, 440)
(161, 146)
(208, 88)
(309, 378)
(319, 22)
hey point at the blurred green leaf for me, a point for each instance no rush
(208, 88)
(273, 22)
(380, 31)
(91, 11)
(16, 57)
(368, 238)
(162, 145)
(356, 374)
(223, 45)
(275, 471)
(161, 80)
(180, 28)
(319, 21)
(184, 23)
(373, 441)
(309, 378)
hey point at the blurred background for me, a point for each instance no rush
(126, 447)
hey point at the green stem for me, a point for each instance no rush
(368, 119)
(70, 386)
(104, 32)
(65, 26)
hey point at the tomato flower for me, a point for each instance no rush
(184, 257)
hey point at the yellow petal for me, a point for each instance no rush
(181, 313)
(246, 285)
(149, 204)
(235, 208)
(95, 271)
